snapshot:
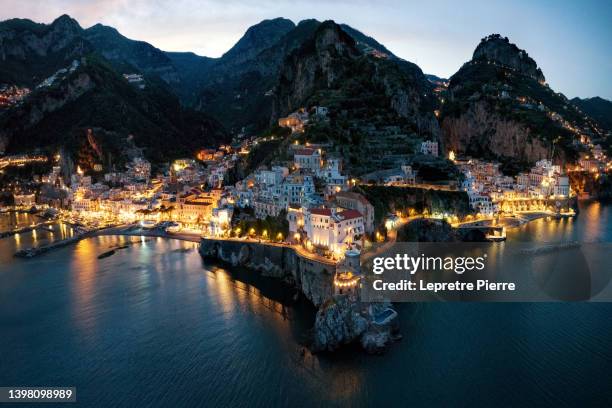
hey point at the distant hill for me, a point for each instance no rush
(597, 108)
(497, 106)
(500, 107)
(94, 95)
(30, 52)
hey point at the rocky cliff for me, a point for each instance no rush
(499, 107)
(481, 131)
(326, 62)
(500, 50)
(342, 320)
(313, 278)
(320, 63)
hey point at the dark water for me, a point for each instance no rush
(154, 326)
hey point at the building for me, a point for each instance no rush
(295, 121)
(482, 203)
(355, 201)
(271, 177)
(24, 200)
(332, 229)
(309, 159)
(348, 275)
(295, 216)
(139, 168)
(266, 208)
(562, 186)
(296, 188)
(82, 204)
(136, 80)
(430, 148)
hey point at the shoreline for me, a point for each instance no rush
(516, 221)
(134, 230)
(127, 230)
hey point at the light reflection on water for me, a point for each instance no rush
(161, 328)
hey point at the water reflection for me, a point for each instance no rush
(592, 224)
(155, 318)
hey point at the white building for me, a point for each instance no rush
(266, 207)
(309, 159)
(296, 188)
(429, 147)
(328, 228)
(482, 203)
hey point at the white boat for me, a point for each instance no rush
(173, 229)
(496, 235)
(148, 224)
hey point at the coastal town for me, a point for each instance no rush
(291, 198)
(186, 223)
(306, 200)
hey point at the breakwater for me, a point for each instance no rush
(313, 277)
(5, 234)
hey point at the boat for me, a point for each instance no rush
(173, 229)
(148, 224)
(106, 254)
(496, 235)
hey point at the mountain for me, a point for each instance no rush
(30, 52)
(500, 50)
(367, 44)
(380, 108)
(597, 108)
(499, 107)
(93, 95)
(129, 55)
(192, 72)
(240, 85)
(256, 39)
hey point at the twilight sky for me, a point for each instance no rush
(570, 40)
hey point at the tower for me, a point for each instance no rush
(348, 275)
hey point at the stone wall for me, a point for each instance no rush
(313, 278)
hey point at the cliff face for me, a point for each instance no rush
(498, 107)
(500, 50)
(480, 130)
(338, 322)
(331, 58)
(319, 63)
(314, 279)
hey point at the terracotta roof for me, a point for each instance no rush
(304, 152)
(353, 196)
(321, 211)
(349, 214)
(197, 203)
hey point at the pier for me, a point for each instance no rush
(21, 230)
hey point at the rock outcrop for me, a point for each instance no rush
(312, 278)
(500, 50)
(481, 130)
(338, 323)
(498, 107)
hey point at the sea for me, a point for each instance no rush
(154, 325)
